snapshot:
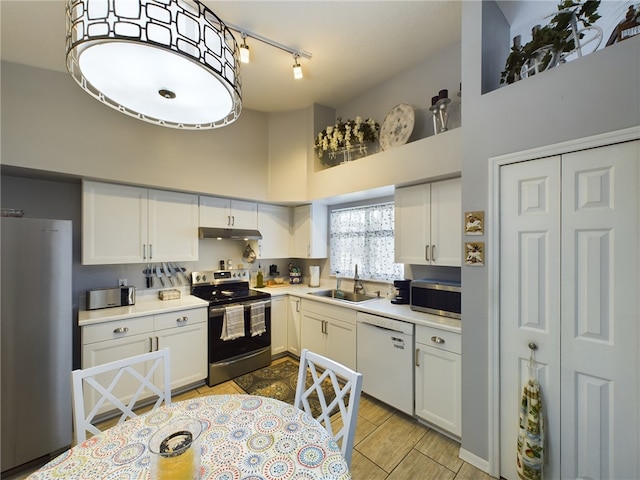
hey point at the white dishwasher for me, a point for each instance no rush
(385, 359)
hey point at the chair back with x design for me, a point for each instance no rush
(105, 378)
(342, 382)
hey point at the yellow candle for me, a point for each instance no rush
(176, 468)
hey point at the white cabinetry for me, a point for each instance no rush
(294, 315)
(279, 320)
(183, 331)
(310, 226)
(438, 378)
(274, 224)
(428, 224)
(329, 330)
(124, 224)
(227, 213)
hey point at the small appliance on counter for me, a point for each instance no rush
(402, 292)
(438, 297)
(111, 297)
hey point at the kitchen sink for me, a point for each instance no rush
(342, 295)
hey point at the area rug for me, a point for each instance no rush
(279, 381)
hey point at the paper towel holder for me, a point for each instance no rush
(314, 279)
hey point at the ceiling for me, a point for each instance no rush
(355, 45)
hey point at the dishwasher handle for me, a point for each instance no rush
(369, 324)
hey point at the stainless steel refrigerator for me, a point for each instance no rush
(36, 265)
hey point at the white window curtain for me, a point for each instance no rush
(364, 236)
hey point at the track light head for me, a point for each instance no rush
(244, 49)
(297, 69)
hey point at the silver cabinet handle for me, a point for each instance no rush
(182, 319)
(150, 344)
(157, 343)
(150, 251)
(233, 220)
(438, 340)
(426, 252)
(417, 357)
(229, 220)
(144, 252)
(297, 305)
(121, 330)
(433, 253)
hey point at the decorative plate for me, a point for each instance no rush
(397, 126)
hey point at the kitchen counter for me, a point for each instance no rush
(145, 305)
(382, 307)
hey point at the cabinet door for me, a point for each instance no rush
(412, 224)
(438, 386)
(109, 351)
(293, 326)
(215, 212)
(312, 333)
(310, 231)
(446, 223)
(173, 226)
(188, 353)
(244, 215)
(341, 343)
(279, 320)
(274, 225)
(114, 224)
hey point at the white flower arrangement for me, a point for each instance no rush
(349, 134)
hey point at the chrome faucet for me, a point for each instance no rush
(358, 287)
(338, 281)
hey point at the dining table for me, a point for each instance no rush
(243, 437)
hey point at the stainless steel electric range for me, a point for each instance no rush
(236, 344)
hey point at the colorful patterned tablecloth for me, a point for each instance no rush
(244, 437)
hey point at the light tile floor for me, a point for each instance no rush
(389, 445)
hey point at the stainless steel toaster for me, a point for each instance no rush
(110, 297)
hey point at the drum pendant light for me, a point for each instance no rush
(172, 63)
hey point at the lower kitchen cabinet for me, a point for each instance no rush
(294, 314)
(438, 378)
(279, 320)
(184, 332)
(329, 330)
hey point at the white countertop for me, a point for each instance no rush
(149, 304)
(145, 305)
(382, 307)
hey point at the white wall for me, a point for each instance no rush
(596, 94)
(50, 124)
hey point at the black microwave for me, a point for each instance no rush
(437, 297)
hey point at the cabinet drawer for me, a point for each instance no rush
(442, 339)
(179, 318)
(331, 311)
(117, 329)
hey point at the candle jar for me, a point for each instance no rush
(175, 451)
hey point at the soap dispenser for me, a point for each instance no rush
(259, 278)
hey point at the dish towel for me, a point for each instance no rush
(233, 323)
(530, 455)
(258, 327)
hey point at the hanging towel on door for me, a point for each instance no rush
(530, 455)
(258, 327)
(233, 322)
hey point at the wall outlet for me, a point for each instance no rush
(122, 282)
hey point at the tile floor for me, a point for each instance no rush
(389, 445)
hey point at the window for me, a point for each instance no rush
(364, 236)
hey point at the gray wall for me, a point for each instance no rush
(597, 94)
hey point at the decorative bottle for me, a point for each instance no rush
(259, 278)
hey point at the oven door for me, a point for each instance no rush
(225, 350)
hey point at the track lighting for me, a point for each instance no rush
(244, 49)
(297, 69)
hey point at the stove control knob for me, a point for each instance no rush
(204, 278)
(197, 278)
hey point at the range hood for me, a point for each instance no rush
(230, 233)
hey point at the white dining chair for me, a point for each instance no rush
(346, 385)
(154, 365)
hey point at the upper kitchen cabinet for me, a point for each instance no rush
(274, 225)
(218, 212)
(428, 223)
(309, 236)
(124, 224)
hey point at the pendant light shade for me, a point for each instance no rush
(168, 62)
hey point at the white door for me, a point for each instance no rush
(173, 226)
(600, 331)
(446, 222)
(188, 354)
(293, 325)
(529, 300)
(570, 284)
(413, 224)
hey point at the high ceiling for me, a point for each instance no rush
(355, 45)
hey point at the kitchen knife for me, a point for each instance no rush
(167, 272)
(174, 272)
(159, 274)
(182, 271)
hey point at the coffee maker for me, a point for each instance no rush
(402, 292)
